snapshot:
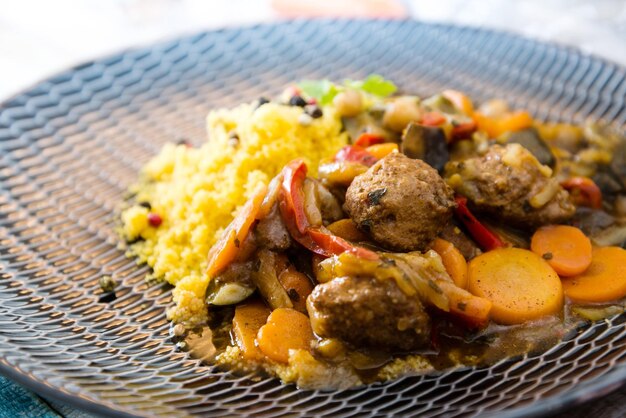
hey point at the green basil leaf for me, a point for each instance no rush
(375, 84)
(323, 91)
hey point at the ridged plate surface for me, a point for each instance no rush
(71, 145)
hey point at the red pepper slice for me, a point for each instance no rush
(303, 239)
(335, 245)
(463, 130)
(584, 191)
(433, 119)
(356, 155)
(317, 240)
(486, 239)
(367, 139)
(293, 178)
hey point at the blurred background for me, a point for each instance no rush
(39, 37)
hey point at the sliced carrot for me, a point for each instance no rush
(521, 285)
(347, 229)
(433, 119)
(564, 247)
(367, 139)
(298, 287)
(381, 150)
(583, 191)
(474, 310)
(603, 281)
(509, 122)
(248, 319)
(286, 329)
(453, 261)
(460, 101)
(226, 248)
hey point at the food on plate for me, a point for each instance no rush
(343, 233)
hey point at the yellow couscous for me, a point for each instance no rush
(196, 191)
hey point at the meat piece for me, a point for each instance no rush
(271, 232)
(509, 184)
(462, 242)
(368, 312)
(401, 202)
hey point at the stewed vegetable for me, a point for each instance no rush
(433, 228)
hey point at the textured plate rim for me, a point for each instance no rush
(546, 406)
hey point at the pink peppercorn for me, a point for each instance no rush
(154, 219)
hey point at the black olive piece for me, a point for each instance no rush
(530, 139)
(262, 101)
(107, 297)
(146, 205)
(297, 101)
(183, 141)
(313, 111)
(425, 143)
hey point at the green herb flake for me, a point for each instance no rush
(323, 91)
(374, 84)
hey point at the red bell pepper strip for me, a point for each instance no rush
(584, 191)
(288, 216)
(294, 174)
(318, 240)
(335, 245)
(356, 155)
(433, 119)
(486, 239)
(366, 139)
(463, 130)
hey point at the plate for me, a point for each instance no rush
(71, 145)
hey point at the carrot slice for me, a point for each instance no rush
(603, 281)
(248, 319)
(381, 150)
(367, 139)
(453, 261)
(226, 248)
(298, 287)
(509, 122)
(521, 285)
(286, 329)
(433, 119)
(583, 191)
(474, 310)
(565, 248)
(347, 229)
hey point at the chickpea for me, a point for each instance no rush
(348, 103)
(400, 112)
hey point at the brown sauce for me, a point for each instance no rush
(451, 348)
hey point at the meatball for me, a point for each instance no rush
(509, 184)
(401, 202)
(367, 312)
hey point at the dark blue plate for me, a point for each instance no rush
(71, 145)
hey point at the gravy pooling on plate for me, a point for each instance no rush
(343, 234)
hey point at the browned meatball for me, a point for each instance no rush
(367, 312)
(509, 184)
(401, 202)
